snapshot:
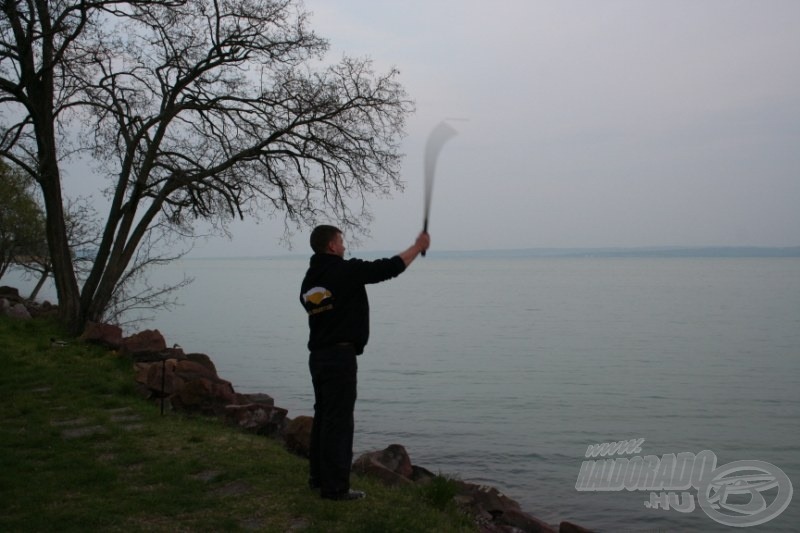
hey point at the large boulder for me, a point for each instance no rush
(198, 358)
(43, 309)
(190, 382)
(422, 475)
(202, 395)
(494, 510)
(107, 335)
(256, 418)
(188, 369)
(145, 345)
(11, 304)
(256, 397)
(157, 378)
(297, 435)
(10, 293)
(392, 466)
(16, 311)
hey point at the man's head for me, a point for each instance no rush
(327, 240)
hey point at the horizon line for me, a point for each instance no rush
(574, 251)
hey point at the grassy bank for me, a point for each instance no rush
(81, 451)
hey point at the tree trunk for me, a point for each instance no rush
(63, 271)
(41, 94)
(94, 305)
(40, 284)
(49, 178)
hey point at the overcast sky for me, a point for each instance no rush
(591, 123)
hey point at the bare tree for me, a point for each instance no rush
(195, 110)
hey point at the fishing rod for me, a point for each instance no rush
(439, 135)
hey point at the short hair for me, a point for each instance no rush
(322, 236)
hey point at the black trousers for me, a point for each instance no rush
(333, 373)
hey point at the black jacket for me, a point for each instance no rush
(335, 298)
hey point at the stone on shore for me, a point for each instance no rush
(147, 344)
(198, 358)
(12, 304)
(202, 395)
(297, 435)
(189, 382)
(107, 335)
(257, 397)
(421, 475)
(492, 507)
(256, 418)
(10, 293)
(14, 310)
(189, 369)
(392, 465)
(41, 309)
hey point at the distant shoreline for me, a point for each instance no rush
(654, 252)
(644, 252)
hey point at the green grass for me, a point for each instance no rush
(81, 451)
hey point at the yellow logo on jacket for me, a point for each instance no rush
(317, 295)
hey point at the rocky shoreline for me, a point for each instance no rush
(189, 383)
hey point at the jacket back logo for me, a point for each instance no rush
(314, 297)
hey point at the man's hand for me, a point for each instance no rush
(423, 241)
(420, 245)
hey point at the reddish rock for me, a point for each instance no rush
(496, 510)
(222, 392)
(258, 397)
(421, 475)
(202, 395)
(150, 376)
(194, 396)
(256, 417)
(297, 435)
(143, 345)
(485, 497)
(107, 335)
(189, 370)
(395, 458)
(201, 359)
(173, 353)
(190, 384)
(392, 465)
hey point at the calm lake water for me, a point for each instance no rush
(504, 371)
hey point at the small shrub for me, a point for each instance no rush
(439, 492)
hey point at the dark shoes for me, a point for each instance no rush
(344, 496)
(349, 495)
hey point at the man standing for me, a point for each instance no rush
(334, 296)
